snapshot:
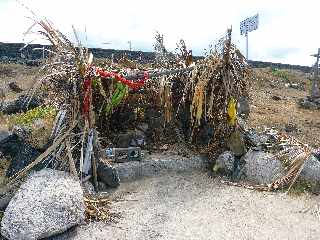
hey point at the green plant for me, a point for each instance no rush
(27, 118)
(120, 92)
(280, 73)
(301, 187)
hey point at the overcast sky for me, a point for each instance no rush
(289, 30)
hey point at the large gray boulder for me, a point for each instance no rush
(48, 203)
(108, 175)
(311, 170)
(261, 167)
(264, 168)
(225, 162)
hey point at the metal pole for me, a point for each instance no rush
(247, 51)
(315, 87)
(130, 45)
(317, 64)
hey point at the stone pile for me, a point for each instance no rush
(310, 103)
(259, 167)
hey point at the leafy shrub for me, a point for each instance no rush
(280, 73)
(27, 118)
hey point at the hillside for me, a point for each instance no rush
(274, 104)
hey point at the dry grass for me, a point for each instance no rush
(24, 76)
(267, 112)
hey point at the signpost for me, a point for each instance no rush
(248, 25)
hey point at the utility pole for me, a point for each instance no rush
(315, 93)
(247, 46)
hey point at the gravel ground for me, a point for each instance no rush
(194, 206)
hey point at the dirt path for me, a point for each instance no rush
(194, 206)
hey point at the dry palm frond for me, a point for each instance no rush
(198, 102)
(166, 99)
(65, 73)
(39, 159)
(293, 171)
(294, 155)
(97, 209)
(216, 80)
(183, 54)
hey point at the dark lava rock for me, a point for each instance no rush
(290, 127)
(4, 134)
(108, 175)
(276, 98)
(20, 152)
(15, 87)
(309, 103)
(4, 201)
(21, 104)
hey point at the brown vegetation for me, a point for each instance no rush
(283, 112)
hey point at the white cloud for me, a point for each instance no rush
(287, 32)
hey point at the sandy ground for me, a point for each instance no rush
(195, 206)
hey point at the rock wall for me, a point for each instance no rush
(33, 53)
(259, 64)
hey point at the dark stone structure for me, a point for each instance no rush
(33, 53)
(259, 64)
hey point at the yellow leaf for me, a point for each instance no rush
(232, 111)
